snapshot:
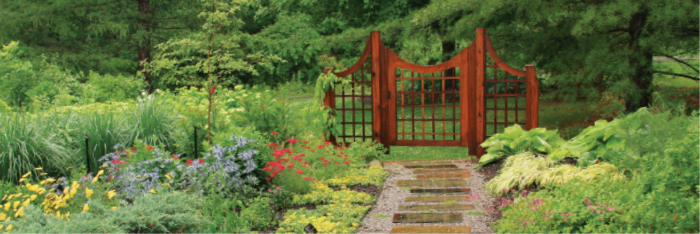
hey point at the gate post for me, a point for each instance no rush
(480, 64)
(532, 96)
(329, 102)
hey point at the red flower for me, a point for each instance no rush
(273, 133)
(201, 160)
(326, 164)
(271, 144)
(346, 162)
(280, 167)
(292, 141)
(328, 143)
(306, 141)
(312, 179)
(313, 150)
(126, 156)
(321, 146)
(189, 162)
(268, 179)
(148, 147)
(213, 89)
(290, 165)
(175, 157)
(306, 177)
(338, 165)
(299, 171)
(323, 158)
(362, 156)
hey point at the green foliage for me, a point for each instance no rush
(525, 171)
(27, 145)
(258, 214)
(515, 140)
(152, 121)
(148, 214)
(335, 217)
(102, 88)
(265, 112)
(222, 212)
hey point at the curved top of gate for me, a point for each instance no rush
(358, 65)
(498, 61)
(454, 62)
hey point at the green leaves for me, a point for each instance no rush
(515, 140)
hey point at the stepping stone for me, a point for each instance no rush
(428, 218)
(450, 207)
(435, 198)
(432, 183)
(431, 229)
(441, 190)
(443, 175)
(432, 166)
(425, 163)
(425, 171)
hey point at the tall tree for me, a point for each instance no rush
(108, 36)
(580, 42)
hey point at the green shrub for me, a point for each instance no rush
(152, 122)
(258, 214)
(106, 87)
(152, 213)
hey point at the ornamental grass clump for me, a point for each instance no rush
(25, 145)
(525, 170)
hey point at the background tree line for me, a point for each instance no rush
(585, 48)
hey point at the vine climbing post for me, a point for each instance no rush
(329, 103)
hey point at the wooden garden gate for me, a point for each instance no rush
(457, 103)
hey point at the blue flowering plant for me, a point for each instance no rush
(233, 163)
(232, 160)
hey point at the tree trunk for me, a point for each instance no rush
(144, 45)
(641, 62)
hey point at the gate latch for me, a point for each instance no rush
(388, 94)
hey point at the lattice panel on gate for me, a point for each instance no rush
(354, 106)
(505, 99)
(428, 105)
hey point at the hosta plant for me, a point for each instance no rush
(515, 140)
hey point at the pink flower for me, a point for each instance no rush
(278, 187)
(601, 218)
(611, 204)
(597, 211)
(521, 227)
(299, 171)
(269, 190)
(611, 209)
(597, 202)
(564, 219)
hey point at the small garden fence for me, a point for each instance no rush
(460, 102)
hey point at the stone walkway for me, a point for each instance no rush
(436, 196)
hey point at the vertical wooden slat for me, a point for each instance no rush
(471, 84)
(422, 102)
(432, 88)
(391, 75)
(403, 109)
(532, 95)
(444, 98)
(464, 96)
(480, 75)
(376, 78)
(382, 76)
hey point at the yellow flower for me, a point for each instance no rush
(168, 176)
(114, 207)
(41, 191)
(23, 179)
(111, 194)
(1, 226)
(85, 207)
(38, 169)
(25, 175)
(166, 185)
(43, 174)
(15, 204)
(32, 187)
(7, 206)
(3, 216)
(153, 191)
(32, 197)
(58, 214)
(26, 202)
(88, 192)
(50, 180)
(19, 212)
(100, 172)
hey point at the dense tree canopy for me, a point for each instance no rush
(582, 48)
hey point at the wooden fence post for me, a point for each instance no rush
(532, 96)
(480, 64)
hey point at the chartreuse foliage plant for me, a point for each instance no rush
(321, 193)
(515, 140)
(527, 171)
(336, 217)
